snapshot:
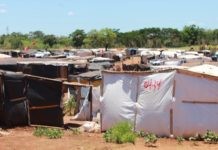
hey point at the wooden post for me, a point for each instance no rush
(78, 98)
(171, 110)
(90, 102)
(171, 121)
(137, 94)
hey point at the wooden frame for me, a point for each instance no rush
(199, 102)
(76, 84)
(199, 75)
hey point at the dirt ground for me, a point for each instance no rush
(22, 138)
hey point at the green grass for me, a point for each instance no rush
(75, 131)
(51, 133)
(150, 139)
(120, 133)
(210, 137)
(180, 139)
(70, 105)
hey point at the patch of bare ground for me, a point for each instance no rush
(23, 139)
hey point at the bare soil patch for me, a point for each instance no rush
(22, 138)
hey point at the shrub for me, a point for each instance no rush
(48, 132)
(141, 134)
(150, 139)
(180, 139)
(120, 133)
(70, 105)
(210, 137)
(75, 131)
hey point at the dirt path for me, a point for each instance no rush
(23, 139)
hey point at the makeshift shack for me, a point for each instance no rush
(167, 102)
(45, 101)
(13, 101)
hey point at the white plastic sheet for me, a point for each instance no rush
(155, 99)
(142, 100)
(119, 99)
(191, 118)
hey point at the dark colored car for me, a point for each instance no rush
(215, 57)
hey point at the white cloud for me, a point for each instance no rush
(3, 8)
(70, 13)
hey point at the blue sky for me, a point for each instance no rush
(62, 17)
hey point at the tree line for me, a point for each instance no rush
(110, 38)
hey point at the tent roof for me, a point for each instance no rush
(205, 69)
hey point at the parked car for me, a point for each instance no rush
(40, 54)
(215, 57)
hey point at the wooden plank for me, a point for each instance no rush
(199, 75)
(35, 125)
(41, 78)
(63, 71)
(90, 102)
(174, 88)
(200, 102)
(43, 107)
(78, 98)
(171, 121)
(17, 99)
(102, 85)
(138, 72)
(137, 95)
(77, 84)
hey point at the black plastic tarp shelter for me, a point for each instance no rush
(45, 101)
(27, 99)
(13, 101)
(44, 70)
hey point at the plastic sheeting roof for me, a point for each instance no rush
(206, 69)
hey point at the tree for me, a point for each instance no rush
(92, 39)
(107, 37)
(36, 35)
(50, 40)
(77, 38)
(190, 34)
(16, 43)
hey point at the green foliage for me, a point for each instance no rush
(210, 137)
(120, 133)
(150, 139)
(191, 35)
(180, 139)
(77, 38)
(49, 40)
(75, 131)
(48, 132)
(103, 38)
(70, 105)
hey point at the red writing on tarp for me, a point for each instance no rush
(152, 84)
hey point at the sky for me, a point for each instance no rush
(62, 17)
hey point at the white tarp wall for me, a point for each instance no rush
(143, 100)
(119, 98)
(84, 113)
(196, 105)
(154, 103)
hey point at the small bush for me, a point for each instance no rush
(120, 133)
(141, 134)
(48, 132)
(150, 139)
(210, 137)
(180, 139)
(75, 131)
(70, 105)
